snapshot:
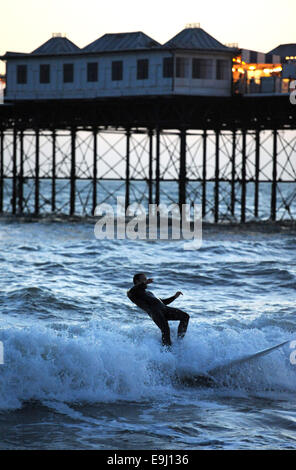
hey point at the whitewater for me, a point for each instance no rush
(84, 368)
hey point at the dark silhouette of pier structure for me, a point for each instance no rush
(211, 148)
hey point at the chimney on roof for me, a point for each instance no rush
(192, 25)
(58, 35)
(232, 45)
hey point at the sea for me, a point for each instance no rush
(84, 368)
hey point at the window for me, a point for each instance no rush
(142, 69)
(202, 68)
(21, 74)
(222, 71)
(253, 57)
(92, 72)
(181, 67)
(68, 73)
(117, 70)
(44, 73)
(167, 67)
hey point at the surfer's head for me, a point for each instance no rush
(139, 278)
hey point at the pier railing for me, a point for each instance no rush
(265, 85)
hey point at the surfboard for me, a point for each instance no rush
(208, 379)
(248, 357)
(197, 380)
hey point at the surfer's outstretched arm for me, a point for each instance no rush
(171, 299)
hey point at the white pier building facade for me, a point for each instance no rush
(121, 64)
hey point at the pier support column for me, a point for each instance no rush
(274, 177)
(127, 170)
(204, 174)
(157, 169)
(14, 171)
(257, 172)
(150, 176)
(232, 204)
(20, 190)
(37, 168)
(1, 169)
(243, 194)
(73, 171)
(95, 156)
(217, 172)
(182, 170)
(53, 183)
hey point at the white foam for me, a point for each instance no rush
(100, 363)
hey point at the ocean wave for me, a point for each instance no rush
(100, 363)
(36, 299)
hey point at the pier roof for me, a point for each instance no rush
(285, 50)
(195, 38)
(57, 45)
(121, 42)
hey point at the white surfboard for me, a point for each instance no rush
(246, 358)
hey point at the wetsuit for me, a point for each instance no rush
(159, 311)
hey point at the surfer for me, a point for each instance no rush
(157, 308)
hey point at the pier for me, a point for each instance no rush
(216, 151)
(172, 138)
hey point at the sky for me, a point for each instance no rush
(254, 24)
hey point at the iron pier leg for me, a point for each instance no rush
(217, 171)
(274, 178)
(243, 195)
(157, 172)
(204, 175)
(14, 171)
(232, 207)
(257, 170)
(21, 175)
(53, 186)
(94, 201)
(73, 171)
(37, 173)
(127, 170)
(1, 169)
(150, 177)
(182, 170)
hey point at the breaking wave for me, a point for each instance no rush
(99, 363)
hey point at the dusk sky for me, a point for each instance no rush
(259, 25)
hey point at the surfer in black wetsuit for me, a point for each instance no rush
(157, 308)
